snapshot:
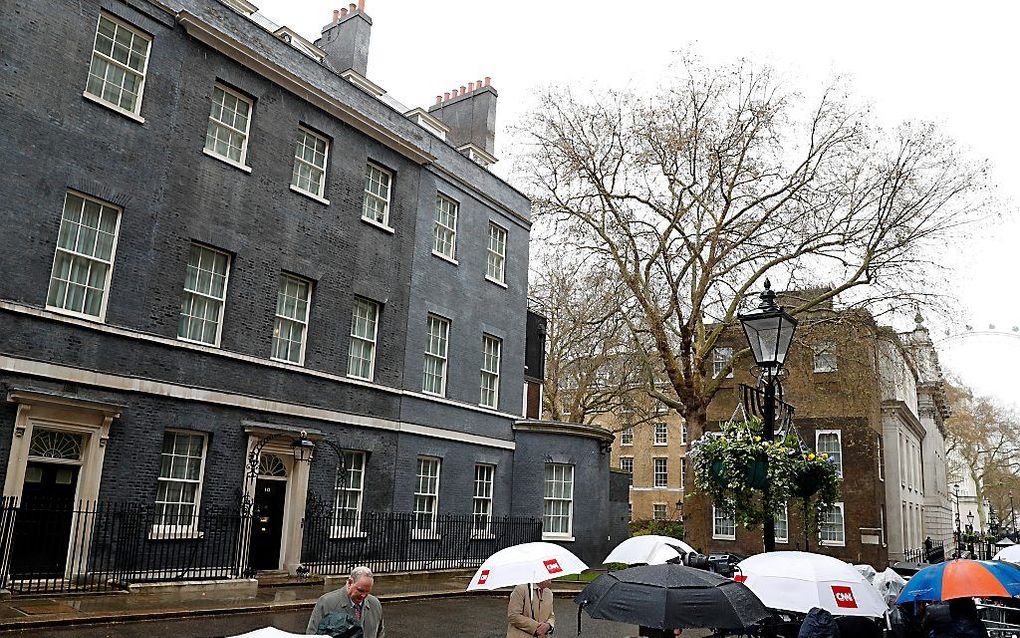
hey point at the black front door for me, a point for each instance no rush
(267, 528)
(42, 528)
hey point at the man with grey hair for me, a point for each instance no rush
(354, 599)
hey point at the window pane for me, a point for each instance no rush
(117, 69)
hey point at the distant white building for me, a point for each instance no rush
(913, 462)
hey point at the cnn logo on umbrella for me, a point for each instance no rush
(552, 566)
(844, 597)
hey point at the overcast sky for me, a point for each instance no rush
(954, 63)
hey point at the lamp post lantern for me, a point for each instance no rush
(769, 331)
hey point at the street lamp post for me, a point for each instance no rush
(769, 331)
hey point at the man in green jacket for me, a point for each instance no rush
(356, 599)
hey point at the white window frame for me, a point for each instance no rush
(221, 300)
(481, 500)
(660, 434)
(495, 259)
(839, 440)
(341, 497)
(569, 534)
(369, 195)
(431, 497)
(718, 515)
(490, 375)
(245, 134)
(98, 98)
(361, 302)
(820, 350)
(683, 471)
(683, 433)
(278, 319)
(441, 359)
(660, 477)
(629, 461)
(75, 256)
(785, 518)
(655, 509)
(303, 134)
(722, 356)
(627, 436)
(842, 531)
(165, 530)
(440, 228)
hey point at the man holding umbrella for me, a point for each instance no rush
(528, 615)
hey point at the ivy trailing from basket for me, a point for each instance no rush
(729, 467)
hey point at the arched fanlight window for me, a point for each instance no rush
(272, 465)
(50, 444)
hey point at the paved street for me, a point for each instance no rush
(471, 616)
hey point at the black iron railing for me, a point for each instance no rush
(97, 546)
(401, 541)
(933, 552)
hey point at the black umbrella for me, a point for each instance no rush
(672, 597)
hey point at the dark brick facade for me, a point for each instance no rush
(53, 140)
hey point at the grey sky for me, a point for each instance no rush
(949, 62)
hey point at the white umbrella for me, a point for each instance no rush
(269, 632)
(798, 581)
(1010, 554)
(650, 549)
(525, 563)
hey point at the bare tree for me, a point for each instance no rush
(591, 366)
(690, 197)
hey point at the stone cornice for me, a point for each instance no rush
(570, 429)
(905, 414)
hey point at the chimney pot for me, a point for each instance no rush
(343, 13)
(471, 86)
(478, 84)
(446, 96)
(463, 89)
(361, 5)
(336, 15)
(439, 98)
(352, 7)
(487, 80)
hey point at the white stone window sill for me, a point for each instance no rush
(113, 107)
(558, 537)
(497, 282)
(228, 161)
(171, 533)
(832, 543)
(299, 364)
(446, 258)
(660, 444)
(381, 226)
(318, 198)
(482, 536)
(723, 538)
(201, 343)
(77, 315)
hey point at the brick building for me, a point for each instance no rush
(223, 239)
(856, 388)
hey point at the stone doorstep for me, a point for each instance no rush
(235, 585)
(329, 583)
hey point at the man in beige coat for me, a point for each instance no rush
(530, 616)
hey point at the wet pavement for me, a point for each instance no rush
(473, 616)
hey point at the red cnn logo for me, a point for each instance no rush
(552, 566)
(739, 578)
(844, 597)
(484, 576)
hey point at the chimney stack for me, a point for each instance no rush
(470, 112)
(345, 39)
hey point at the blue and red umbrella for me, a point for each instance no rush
(963, 578)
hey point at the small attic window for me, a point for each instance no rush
(289, 36)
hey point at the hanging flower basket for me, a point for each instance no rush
(735, 464)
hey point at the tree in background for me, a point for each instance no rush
(983, 443)
(685, 199)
